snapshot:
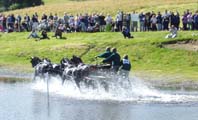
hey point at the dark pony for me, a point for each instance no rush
(45, 66)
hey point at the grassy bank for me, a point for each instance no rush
(108, 6)
(144, 51)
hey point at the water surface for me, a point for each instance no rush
(29, 101)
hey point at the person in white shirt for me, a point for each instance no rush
(173, 32)
(153, 23)
(33, 34)
(109, 21)
(134, 21)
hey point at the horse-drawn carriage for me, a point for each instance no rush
(74, 69)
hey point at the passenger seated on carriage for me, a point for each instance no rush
(125, 66)
(44, 35)
(33, 34)
(126, 32)
(114, 59)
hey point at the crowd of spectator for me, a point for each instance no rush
(98, 22)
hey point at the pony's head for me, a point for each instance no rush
(35, 60)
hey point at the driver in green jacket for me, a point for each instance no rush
(106, 54)
(114, 59)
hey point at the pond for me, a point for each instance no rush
(33, 101)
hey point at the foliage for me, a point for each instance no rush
(16, 4)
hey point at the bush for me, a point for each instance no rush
(15, 6)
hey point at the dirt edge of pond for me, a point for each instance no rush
(189, 45)
(176, 82)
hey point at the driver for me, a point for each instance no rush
(114, 59)
(106, 54)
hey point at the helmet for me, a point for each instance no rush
(125, 56)
(114, 50)
(108, 49)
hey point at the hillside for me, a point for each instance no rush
(108, 6)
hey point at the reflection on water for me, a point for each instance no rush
(27, 101)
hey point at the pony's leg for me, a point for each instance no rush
(63, 81)
(77, 81)
(34, 77)
(63, 78)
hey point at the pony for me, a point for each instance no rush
(71, 69)
(43, 66)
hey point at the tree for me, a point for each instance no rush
(5, 4)
(15, 4)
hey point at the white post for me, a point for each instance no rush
(48, 103)
(47, 89)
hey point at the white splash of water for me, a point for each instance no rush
(121, 91)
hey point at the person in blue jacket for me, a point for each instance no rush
(114, 59)
(125, 66)
(126, 33)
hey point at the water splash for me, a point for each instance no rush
(121, 91)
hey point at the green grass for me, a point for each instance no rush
(143, 51)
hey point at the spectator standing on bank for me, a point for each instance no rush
(159, 21)
(177, 20)
(102, 22)
(153, 23)
(147, 25)
(18, 23)
(119, 20)
(184, 21)
(108, 21)
(142, 22)
(165, 20)
(196, 20)
(134, 21)
(128, 21)
(35, 22)
(27, 22)
(190, 21)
